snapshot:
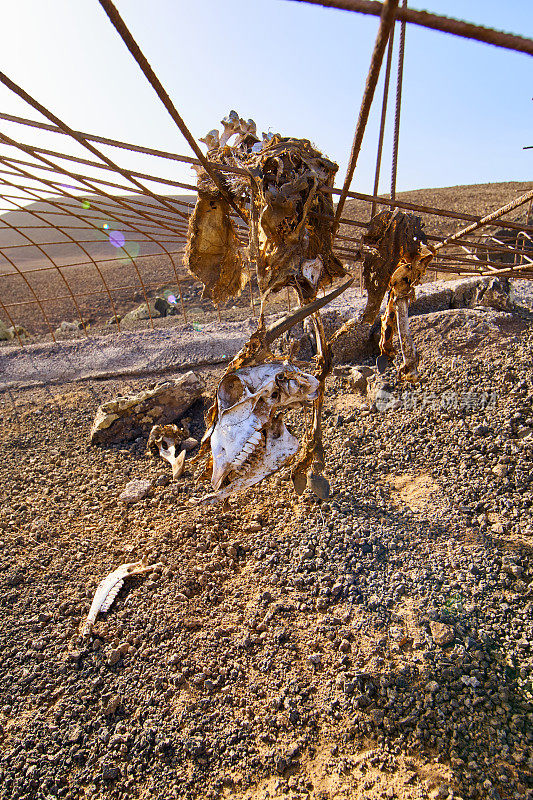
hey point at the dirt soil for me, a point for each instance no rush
(377, 645)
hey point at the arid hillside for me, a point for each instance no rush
(141, 269)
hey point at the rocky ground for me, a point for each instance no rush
(377, 645)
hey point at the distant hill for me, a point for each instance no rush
(90, 220)
(476, 199)
(147, 262)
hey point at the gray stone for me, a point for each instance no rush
(136, 314)
(131, 416)
(5, 333)
(135, 491)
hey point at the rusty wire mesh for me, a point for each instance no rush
(87, 241)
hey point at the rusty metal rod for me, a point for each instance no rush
(439, 212)
(93, 262)
(114, 198)
(67, 194)
(18, 90)
(158, 243)
(437, 22)
(135, 148)
(487, 219)
(398, 108)
(383, 117)
(156, 84)
(386, 21)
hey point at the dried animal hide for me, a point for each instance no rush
(108, 589)
(396, 238)
(400, 259)
(213, 250)
(287, 198)
(396, 316)
(295, 217)
(249, 439)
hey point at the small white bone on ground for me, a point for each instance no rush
(167, 450)
(108, 589)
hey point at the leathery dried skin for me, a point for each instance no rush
(213, 250)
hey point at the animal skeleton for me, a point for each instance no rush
(395, 257)
(286, 197)
(108, 589)
(249, 439)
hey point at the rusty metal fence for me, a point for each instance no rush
(87, 244)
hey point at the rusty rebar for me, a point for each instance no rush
(438, 212)
(437, 22)
(398, 107)
(386, 21)
(18, 90)
(63, 192)
(30, 151)
(383, 118)
(92, 260)
(156, 84)
(26, 148)
(135, 148)
(486, 220)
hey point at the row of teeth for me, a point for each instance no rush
(250, 448)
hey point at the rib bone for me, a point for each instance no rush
(108, 589)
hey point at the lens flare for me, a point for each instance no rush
(85, 204)
(116, 238)
(105, 226)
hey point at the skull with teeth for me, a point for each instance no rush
(249, 439)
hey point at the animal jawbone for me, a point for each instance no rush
(265, 452)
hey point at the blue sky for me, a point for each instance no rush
(295, 68)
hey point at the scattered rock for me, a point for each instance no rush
(114, 657)
(5, 333)
(135, 491)
(131, 416)
(442, 634)
(136, 314)
(69, 327)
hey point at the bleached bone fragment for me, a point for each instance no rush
(247, 132)
(168, 441)
(250, 440)
(108, 589)
(231, 125)
(211, 139)
(167, 450)
(312, 270)
(409, 368)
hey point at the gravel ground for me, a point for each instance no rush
(378, 645)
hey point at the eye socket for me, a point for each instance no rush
(230, 390)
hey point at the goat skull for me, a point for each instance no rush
(249, 439)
